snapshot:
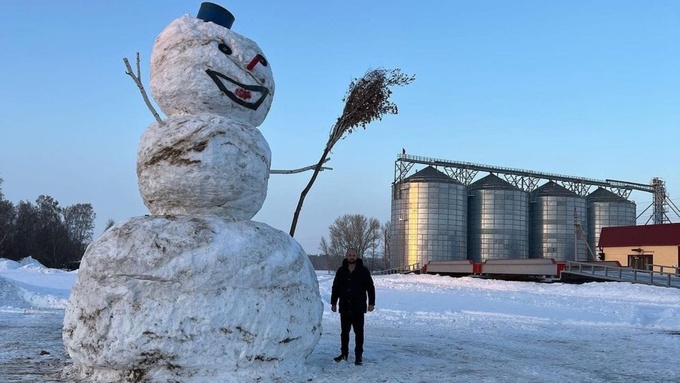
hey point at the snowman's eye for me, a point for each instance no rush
(224, 48)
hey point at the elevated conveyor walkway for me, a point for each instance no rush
(604, 271)
(414, 268)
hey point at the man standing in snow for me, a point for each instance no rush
(351, 285)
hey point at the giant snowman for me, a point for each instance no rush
(197, 292)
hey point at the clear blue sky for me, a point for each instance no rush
(584, 88)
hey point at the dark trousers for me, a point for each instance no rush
(352, 320)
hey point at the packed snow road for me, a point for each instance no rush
(31, 349)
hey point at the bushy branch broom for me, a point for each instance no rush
(366, 100)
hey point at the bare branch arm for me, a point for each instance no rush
(138, 80)
(300, 170)
(139, 71)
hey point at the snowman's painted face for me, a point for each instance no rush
(248, 96)
(201, 67)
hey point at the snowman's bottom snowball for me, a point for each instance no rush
(192, 297)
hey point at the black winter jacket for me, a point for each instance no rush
(351, 288)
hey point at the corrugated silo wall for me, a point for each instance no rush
(606, 214)
(429, 222)
(552, 229)
(498, 224)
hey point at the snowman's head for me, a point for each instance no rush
(200, 66)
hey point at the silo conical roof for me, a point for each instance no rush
(604, 195)
(430, 174)
(552, 189)
(492, 182)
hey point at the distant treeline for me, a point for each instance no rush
(332, 262)
(326, 262)
(53, 235)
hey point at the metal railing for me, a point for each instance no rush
(625, 274)
(399, 270)
(674, 270)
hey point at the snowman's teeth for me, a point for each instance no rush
(242, 93)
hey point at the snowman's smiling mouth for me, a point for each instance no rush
(238, 92)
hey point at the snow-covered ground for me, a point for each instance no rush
(425, 329)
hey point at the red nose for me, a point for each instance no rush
(257, 59)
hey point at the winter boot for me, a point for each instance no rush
(340, 357)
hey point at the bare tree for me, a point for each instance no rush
(332, 254)
(351, 230)
(79, 221)
(109, 223)
(366, 100)
(326, 248)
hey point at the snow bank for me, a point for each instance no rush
(27, 284)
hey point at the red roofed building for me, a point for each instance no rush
(640, 246)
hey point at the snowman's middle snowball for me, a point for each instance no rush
(203, 164)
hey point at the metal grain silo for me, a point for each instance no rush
(607, 209)
(429, 219)
(551, 224)
(498, 220)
